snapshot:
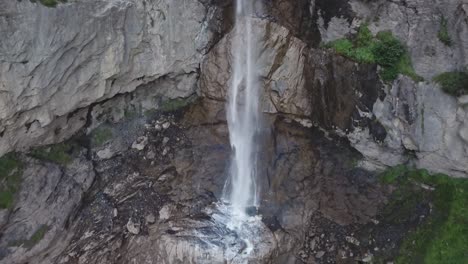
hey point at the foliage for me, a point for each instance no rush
(383, 49)
(454, 83)
(443, 237)
(59, 153)
(100, 136)
(10, 178)
(443, 34)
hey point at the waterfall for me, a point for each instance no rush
(243, 113)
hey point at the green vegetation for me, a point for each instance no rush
(443, 34)
(100, 136)
(51, 3)
(59, 153)
(10, 178)
(454, 83)
(174, 104)
(443, 237)
(383, 49)
(131, 114)
(33, 240)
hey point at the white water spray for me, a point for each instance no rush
(243, 112)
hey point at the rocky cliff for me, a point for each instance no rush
(58, 61)
(136, 89)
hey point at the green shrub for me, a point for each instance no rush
(364, 37)
(59, 153)
(454, 83)
(385, 50)
(443, 34)
(443, 236)
(388, 51)
(10, 178)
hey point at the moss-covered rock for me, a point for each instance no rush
(34, 239)
(443, 33)
(101, 135)
(50, 3)
(59, 153)
(454, 83)
(443, 236)
(10, 178)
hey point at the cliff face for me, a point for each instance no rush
(56, 62)
(142, 172)
(424, 126)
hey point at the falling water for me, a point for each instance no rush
(243, 112)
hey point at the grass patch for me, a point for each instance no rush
(384, 49)
(33, 240)
(453, 83)
(100, 136)
(443, 237)
(443, 34)
(59, 153)
(10, 178)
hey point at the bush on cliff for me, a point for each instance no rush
(383, 49)
(454, 83)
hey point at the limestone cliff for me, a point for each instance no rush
(57, 61)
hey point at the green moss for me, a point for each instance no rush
(33, 240)
(10, 178)
(174, 104)
(50, 3)
(391, 175)
(383, 49)
(38, 235)
(454, 83)
(100, 136)
(443, 34)
(405, 67)
(59, 153)
(130, 114)
(443, 237)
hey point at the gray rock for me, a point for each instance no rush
(320, 254)
(49, 196)
(352, 240)
(282, 61)
(133, 226)
(140, 143)
(150, 219)
(419, 117)
(101, 48)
